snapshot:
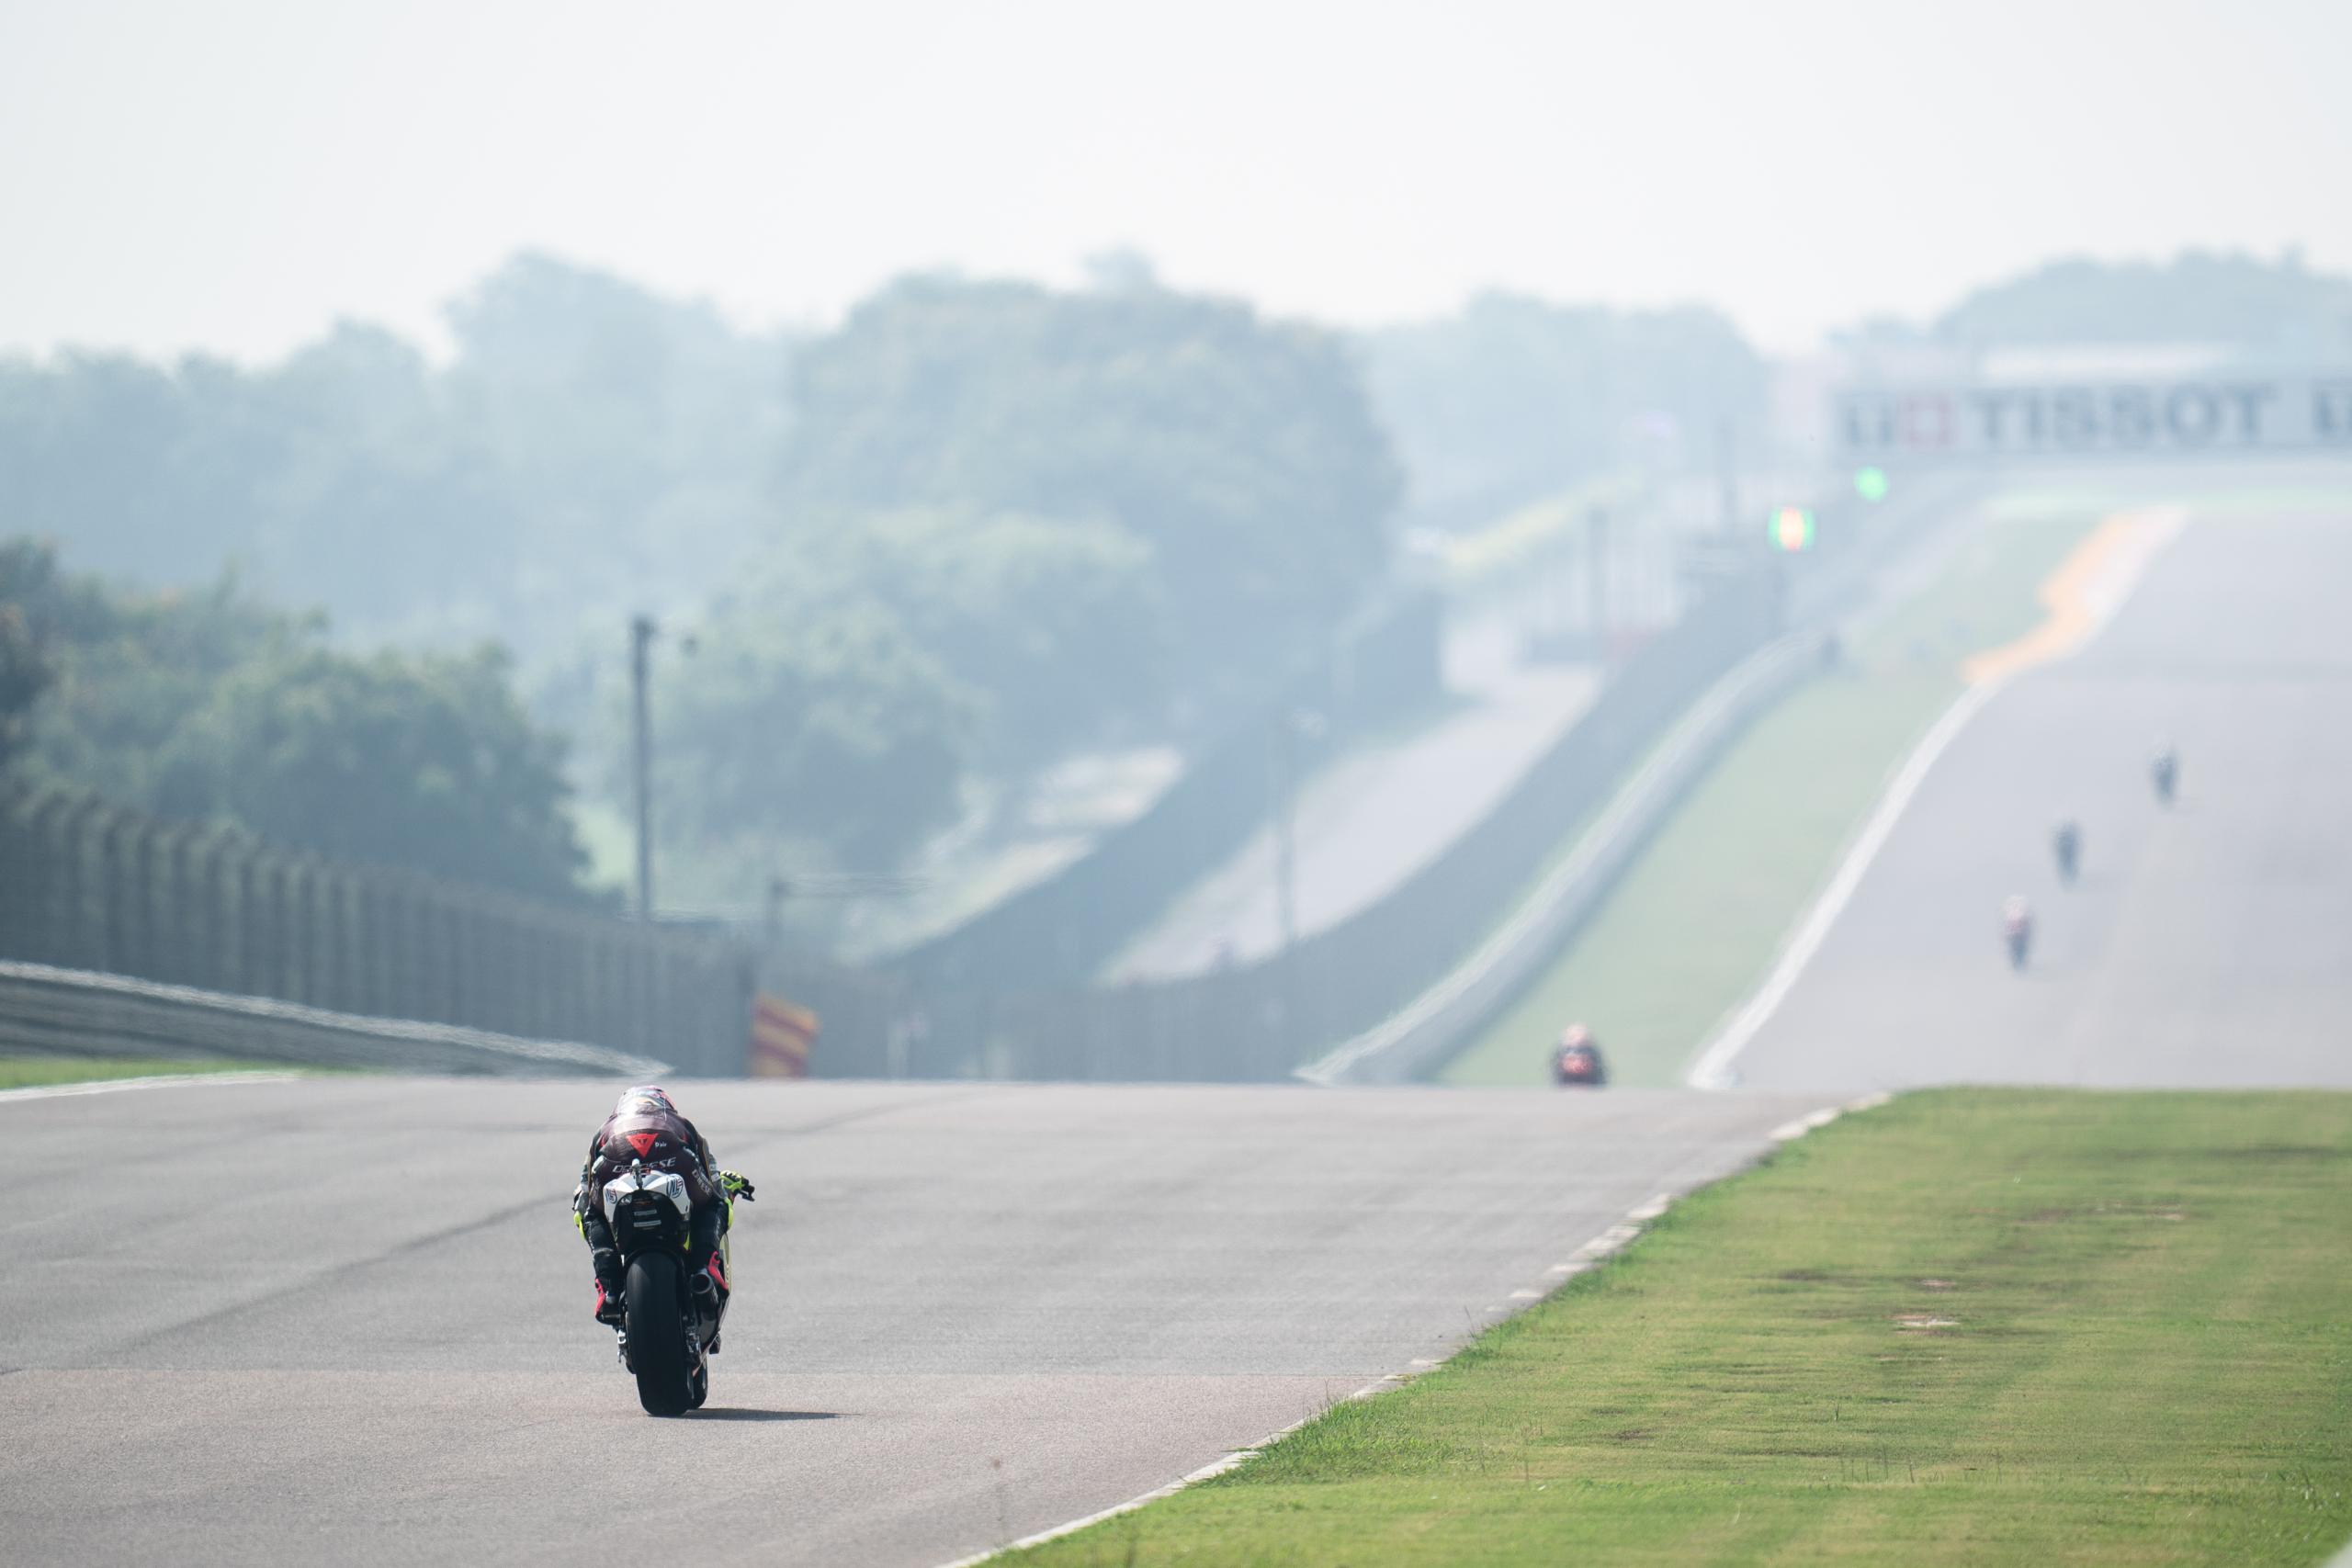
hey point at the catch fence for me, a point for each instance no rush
(88, 885)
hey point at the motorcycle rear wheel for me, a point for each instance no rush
(653, 1309)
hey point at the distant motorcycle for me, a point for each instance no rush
(2066, 845)
(2164, 771)
(2016, 930)
(1576, 1063)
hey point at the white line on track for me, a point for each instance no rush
(161, 1080)
(1713, 1069)
(2101, 599)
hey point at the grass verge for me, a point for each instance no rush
(1694, 923)
(1979, 1326)
(31, 1072)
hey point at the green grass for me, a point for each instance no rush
(2129, 1343)
(1694, 923)
(28, 1072)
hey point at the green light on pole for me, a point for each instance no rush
(1870, 484)
(1792, 528)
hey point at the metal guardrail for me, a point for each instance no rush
(77, 1012)
(1436, 1021)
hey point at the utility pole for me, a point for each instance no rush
(642, 632)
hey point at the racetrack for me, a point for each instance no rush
(347, 1320)
(2210, 944)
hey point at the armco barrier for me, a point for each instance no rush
(1404, 1043)
(76, 1013)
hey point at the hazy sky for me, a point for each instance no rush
(232, 175)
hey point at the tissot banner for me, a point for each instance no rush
(2174, 416)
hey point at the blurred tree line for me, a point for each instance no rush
(2199, 296)
(1513, 399)
(207, 705)
(980, 526)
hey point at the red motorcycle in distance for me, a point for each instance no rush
(2016, 930)
(1576, 1061)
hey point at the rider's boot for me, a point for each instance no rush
(607, 1264)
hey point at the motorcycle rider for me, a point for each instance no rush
(645, 1127)
(2163, 770)
(2016, 927)
(2066, 842)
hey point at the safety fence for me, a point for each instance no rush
(87, 886)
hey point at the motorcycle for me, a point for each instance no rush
(666, 1339)
(1579, 1067)
(2018, 931)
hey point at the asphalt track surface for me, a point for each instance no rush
(347, 1320)
(2208, 944)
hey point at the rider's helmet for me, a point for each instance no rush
(2014, 910)
(645, 1100)
(1576, 1037)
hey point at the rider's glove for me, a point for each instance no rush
(737, 1185)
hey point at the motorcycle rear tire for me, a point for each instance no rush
(657, 1335)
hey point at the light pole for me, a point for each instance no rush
(642, 633)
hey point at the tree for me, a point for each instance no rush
(1054, 626)
(210, 706)
(636, 435)
(425, 763)
(2198, 297)
(1242, 454)
(812, 724)
(26, 671)
(1514, 398)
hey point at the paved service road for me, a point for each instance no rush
(2208, 944)
(347, 1320)
(1365, 822)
